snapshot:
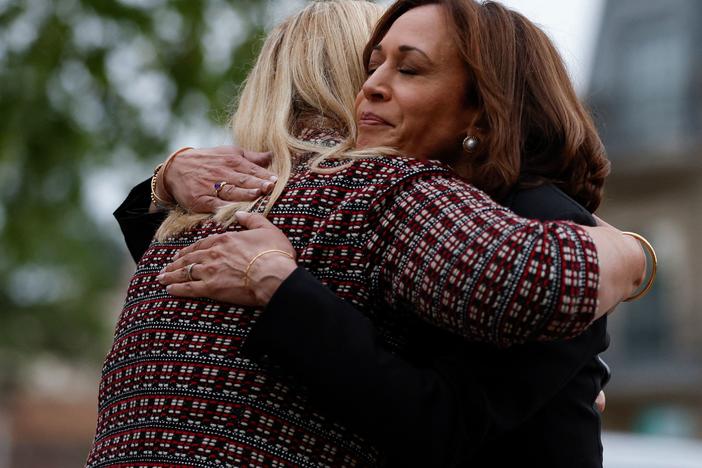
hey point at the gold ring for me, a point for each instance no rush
(654, 265)
(219, 186)
(189, 272)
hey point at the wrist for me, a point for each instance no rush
(160, 194)
(156, 200)
(160, 187)
(267, 274)
(642, 247)
(640, 259)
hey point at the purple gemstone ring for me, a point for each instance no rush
(219, 186)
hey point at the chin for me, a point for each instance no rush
(371, 141)
(364, 142)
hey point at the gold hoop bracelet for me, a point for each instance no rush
(155, 199)
(654, 265)
(253, 260)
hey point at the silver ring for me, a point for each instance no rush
(189, 272)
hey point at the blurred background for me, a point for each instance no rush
(94, 93)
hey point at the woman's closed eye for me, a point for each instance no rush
(372, 67)
(403, 70)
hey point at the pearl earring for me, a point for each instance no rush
(470, 144)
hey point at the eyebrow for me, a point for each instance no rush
(405, 49)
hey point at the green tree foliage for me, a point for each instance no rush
(86, 87)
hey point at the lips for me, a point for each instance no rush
(369, 118)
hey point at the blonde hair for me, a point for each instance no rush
(310, 67)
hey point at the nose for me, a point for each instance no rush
(376, 88)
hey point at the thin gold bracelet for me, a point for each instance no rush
(155, 199)
(654, 265)
(253, 260)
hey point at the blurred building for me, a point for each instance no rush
(646, 93)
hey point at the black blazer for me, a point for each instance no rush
(449, 403)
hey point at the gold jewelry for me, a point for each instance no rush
(654, 265)
(253, 260)
(155, 199)
(189, 272)
(219, 186)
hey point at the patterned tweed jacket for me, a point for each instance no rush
(386, 234)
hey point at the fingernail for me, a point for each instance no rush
(273, 179)
(162, 270)
(240, 214)
(160, 278)
(266, 186)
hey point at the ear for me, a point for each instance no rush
(477, 124)
(464, 165)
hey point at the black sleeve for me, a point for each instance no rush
(137, 224)
(332, 348)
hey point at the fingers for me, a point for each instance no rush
(245, 181)
(260, 159)
(188, 289)
(235, 194)
(208, 204)
(178, 276)
(202, 244)
(240, 164)
(253, 221)
(177, 272)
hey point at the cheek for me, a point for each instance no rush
(435, 131)
(359, 99)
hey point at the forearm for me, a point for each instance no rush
(479, 270)
(622, 266)
(137, 222)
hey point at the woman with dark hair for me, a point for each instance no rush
(432, 244)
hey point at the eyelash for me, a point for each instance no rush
(404, 71)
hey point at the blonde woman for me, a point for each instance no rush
(344, 212)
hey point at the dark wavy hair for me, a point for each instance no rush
(532, 126)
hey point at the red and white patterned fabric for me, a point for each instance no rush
(386, 234)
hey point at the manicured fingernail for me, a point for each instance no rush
(273, 179)
(160, 278)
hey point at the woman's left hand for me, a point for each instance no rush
(218, 264)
